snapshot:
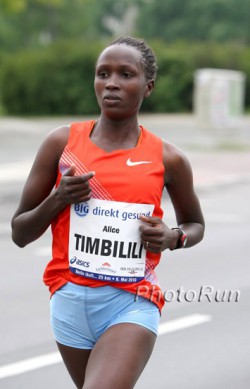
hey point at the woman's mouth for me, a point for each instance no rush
(111, 97)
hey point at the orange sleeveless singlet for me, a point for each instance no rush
(124, 176)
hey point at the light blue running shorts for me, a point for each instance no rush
(79, 314)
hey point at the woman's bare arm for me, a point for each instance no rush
(40, 204)
(178, 181)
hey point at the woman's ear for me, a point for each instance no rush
(149, 88)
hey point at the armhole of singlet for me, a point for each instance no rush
(86, 128)
(70, 134)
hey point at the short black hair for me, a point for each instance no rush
(149, 60)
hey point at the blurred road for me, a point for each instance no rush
(204, 339)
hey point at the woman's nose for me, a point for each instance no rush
(112, 83)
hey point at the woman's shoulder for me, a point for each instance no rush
(66, 135)
(175, 160)
(58, 137)
(59, 134)
(54, 143)
(172, 153)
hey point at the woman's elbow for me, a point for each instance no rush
(18, 240)
(16, 235)
(202, 231)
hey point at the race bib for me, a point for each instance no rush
(104, 240)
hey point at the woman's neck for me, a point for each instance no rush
(115, 134)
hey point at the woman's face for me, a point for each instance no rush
(120, 82)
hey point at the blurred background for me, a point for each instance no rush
(201, 102)
(48, 47)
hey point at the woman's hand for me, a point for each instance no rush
(156, 235)
(74, 189)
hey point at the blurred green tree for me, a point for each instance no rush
(194, 20)
(36, 23)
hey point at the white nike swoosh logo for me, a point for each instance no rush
(131, 163)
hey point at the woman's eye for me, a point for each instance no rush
(103, 74)
(126, 75)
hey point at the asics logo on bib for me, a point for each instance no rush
(81, 209)
(73, 260)
(79, 262)
(136, 163)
